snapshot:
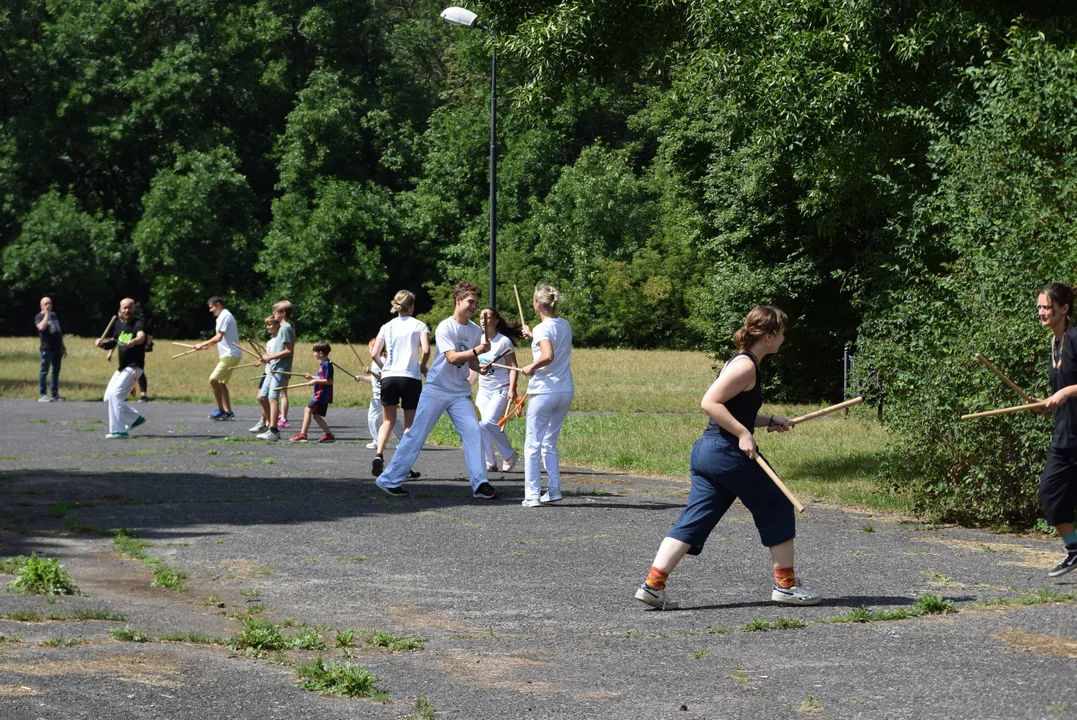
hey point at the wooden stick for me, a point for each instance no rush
(254, 346)
(499, 365)
(825, 411)
(182, 344)
(356, 353)
(502, 354)
(249, 352)
(338, 367)
(1005, 411)
(249, 365)
(778, 481)
(519, 305)
(1010, 383)
(184, 353)
(292, 387)
(109, 328)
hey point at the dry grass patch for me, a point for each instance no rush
(16, 691)
(503, 672)
(151, 670)
(245, 569)
(1025, 556)
(1040, 644)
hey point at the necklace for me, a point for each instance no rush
(1057, 348)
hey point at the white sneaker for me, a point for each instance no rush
(796, 595)
(269, 435)
(531, 502)
(658, 599)
(371, 446)
(508, 465)
(44, 398)
(261, 427)
(552, 496)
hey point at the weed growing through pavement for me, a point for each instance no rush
(63, 641)
(268, 461)
(699, 654)
(22, 616)
(809, 704)
(345, 638)
(212, 601)
(213, 451)
(11, 565)
(424, 710)
(89, 614)
(292, 622)
(163, 575)
(938, 578)
(1043, 597)
(308, 640)
(343, 679)
(867, 527)
(250, 593)
(355, 558)
(743, 679)
(258, 636)
(42, 576)
(199, 638)
(761, 625)
(930, 604)
(129, 634)
(395, 642)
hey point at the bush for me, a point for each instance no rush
(970, 264)
(43, 576)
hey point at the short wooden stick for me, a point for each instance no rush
(1010, 383)
(182, 344)
(109, 328)
(354, 352)
(500, 355)
(519, 305)
(183, 353)
(499, 365)
(300, 385)
(249, 365)
(249, 352)
(1005, 411)
(338, 367)
(824, 411)
(778, 481)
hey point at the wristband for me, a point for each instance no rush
(771, 423)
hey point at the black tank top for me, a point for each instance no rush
(743, 406)
(1065, 435)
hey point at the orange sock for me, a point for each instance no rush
(656, 579)
(785, 577)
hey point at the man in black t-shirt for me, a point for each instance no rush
(52, 350)
(129, 338)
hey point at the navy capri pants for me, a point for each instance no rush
(721, 473)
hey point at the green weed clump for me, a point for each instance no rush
(42, 576)
(308, 640)
(342, 679)
(259, 636)
(129, 634)
(395, 642)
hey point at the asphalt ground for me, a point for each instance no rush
(525, 612)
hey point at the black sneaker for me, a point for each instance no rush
(394, 491)
(144, 398)
(377, 466)
(486, 492)
(1069, 562)
(414, 474)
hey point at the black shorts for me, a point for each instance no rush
(402, 391)
(1058, 485)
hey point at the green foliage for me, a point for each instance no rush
(967, 272)
(42, 576)
(395, 642)
(258, 635)
(307, 640)
(128, 634)
(342, 679)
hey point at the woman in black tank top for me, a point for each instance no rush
(723, 469)
(1058, 483)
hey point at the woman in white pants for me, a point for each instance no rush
(374, 413)
(550, 390)
(497, 387)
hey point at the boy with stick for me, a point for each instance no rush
(282, 310)
(270, 384)
(323, 395)
(459, 343)
(227, 341)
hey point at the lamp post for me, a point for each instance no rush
(466, 18)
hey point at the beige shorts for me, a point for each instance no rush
(223, 372)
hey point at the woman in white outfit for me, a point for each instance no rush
(497, 387)
(550, 390)
(407, 342)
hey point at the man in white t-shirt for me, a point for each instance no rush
(459, 342)
(227, 341)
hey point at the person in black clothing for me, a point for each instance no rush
(53, 350)
(723, 469)
(129, 337)
(1058, 484)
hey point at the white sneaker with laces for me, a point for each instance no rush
(371, 446)
(269, 435)
(796, 595)
(552, 496)
(260, 427)
(531, 502)
(658, 599)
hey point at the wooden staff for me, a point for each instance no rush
(519, 305)
(356, 353)
(514, 411)
(1010, 383)
(778, 481)
(249, 365)
(183, 353)
(182, 344)
(338, 367)
(109, 328)
(1005, 411)
(502, 354)
(256, 347)
(249, 352)
(300, 385)
(499, 365)
(825, 411)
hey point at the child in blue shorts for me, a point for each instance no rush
(323, 395)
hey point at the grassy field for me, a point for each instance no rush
(635, 412)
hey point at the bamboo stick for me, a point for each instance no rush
(1010, 383)
(778, 481)
(825, 411)
(183, 353)
(1005, 411)
(519, 305)
(109, 328)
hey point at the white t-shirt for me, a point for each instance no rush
(401, 337)
(497, 378)
(443, 375)
(229, 344)
(557, 376)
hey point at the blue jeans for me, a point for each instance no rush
(51, 357)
